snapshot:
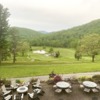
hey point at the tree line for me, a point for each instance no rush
(11, 42)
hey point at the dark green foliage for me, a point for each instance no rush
(56, 54)
(51, 50)
(14, 42)
(27, 34)
(90, 45)
(7, 83)
(96, 77)
(18, 81)
(67, 38)
(4, 14)
(52, 74)
(78, 55)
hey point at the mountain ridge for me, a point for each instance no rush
(63, 38)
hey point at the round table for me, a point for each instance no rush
(22, 89)
(62, 84)
(89, 84)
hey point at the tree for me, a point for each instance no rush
(90, 44)
(51, 50)
(78, 55)
(23, 47)
(56, 54)
(14, 41)
(4, 14)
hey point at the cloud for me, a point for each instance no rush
(51, 15)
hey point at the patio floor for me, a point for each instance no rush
(77, 94)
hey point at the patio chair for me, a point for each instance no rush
(31, 95)
(58, 90)
(14, 85)
(37, 90)
(8, 97)
(68, 90)
(27, 84)
(5, 92)
(22, 96)
(95, 90)
(41, 92)
(86, 90)
(37, 85)
(17, 97)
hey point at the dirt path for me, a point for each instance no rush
(63, 76)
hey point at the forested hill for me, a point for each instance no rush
(27, 34)
(64, 38)
(70, 37)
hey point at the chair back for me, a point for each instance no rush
(3, 88)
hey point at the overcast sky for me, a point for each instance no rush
(51, 15)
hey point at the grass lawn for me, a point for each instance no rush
(37, 64)
(21, 70)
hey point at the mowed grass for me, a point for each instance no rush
(36, 64)
(9, 71)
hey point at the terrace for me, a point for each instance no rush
(50, 94)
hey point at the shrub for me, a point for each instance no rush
(50, 81)
(73, 80)
(18, 81)
(85, 78)
(57, 78)
(33, 80)
(52, 74)
(96, 78)
(7, 83)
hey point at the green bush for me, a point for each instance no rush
(96, 77)
(57, 78)
(7, 83)
(85, 78)
(33, 80)
(18, 81)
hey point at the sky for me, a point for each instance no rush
(51, 15)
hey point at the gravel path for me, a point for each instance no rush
(63, 76)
